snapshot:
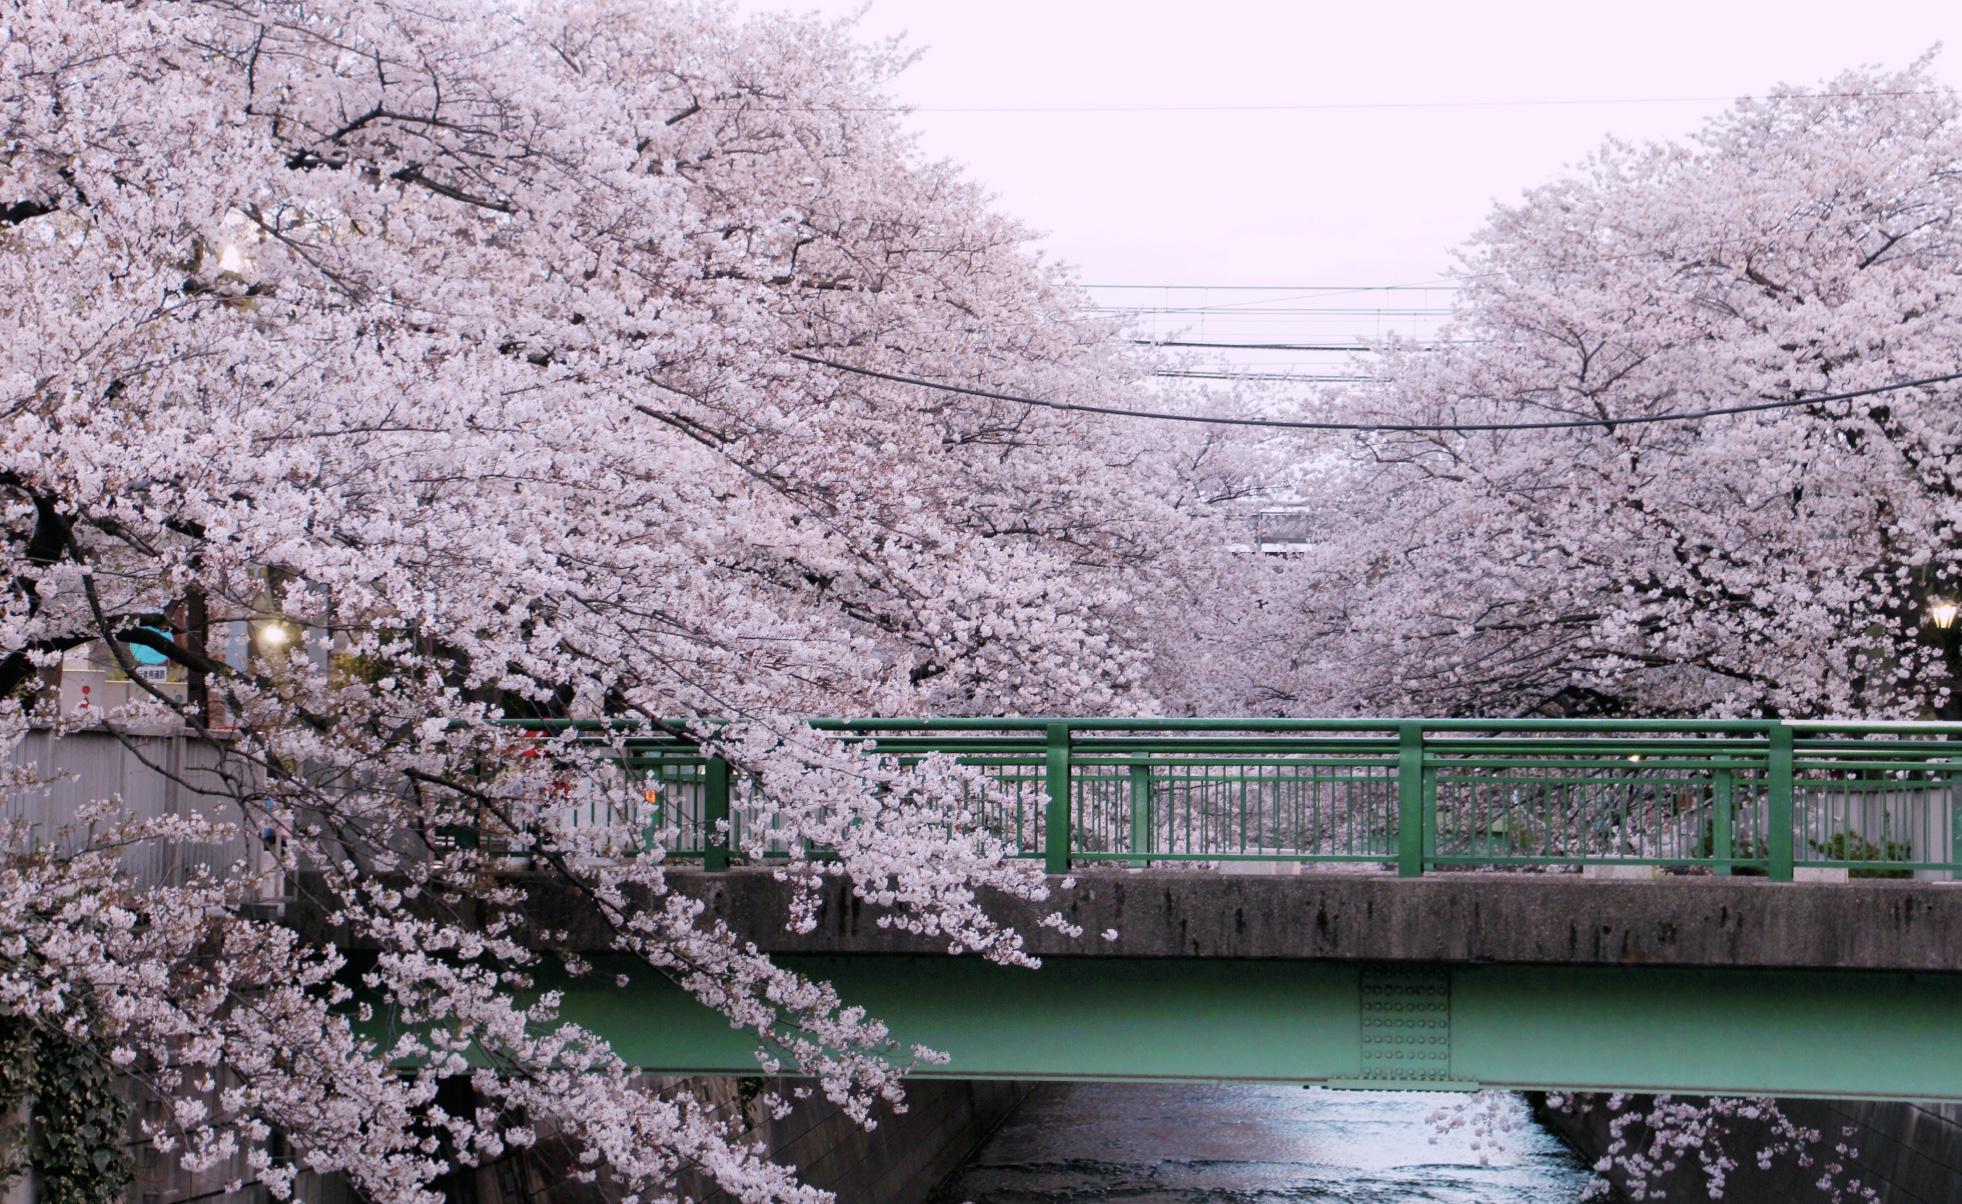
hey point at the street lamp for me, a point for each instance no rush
(1943, 612)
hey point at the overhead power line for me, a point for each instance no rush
(1284, 292)
(1328, 106)
(1298, 378)
(1447, 286)
(1685, 256)
(1264, 346)
(1377, 427)
(1253, 310)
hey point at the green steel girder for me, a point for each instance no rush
(1831, 1034)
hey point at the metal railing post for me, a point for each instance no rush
(1140, 814)
(1954, 828)
(1056, 783)
(1411, 820)
(717, 829)
(1722, 819)
(1778, 806)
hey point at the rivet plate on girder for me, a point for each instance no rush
(1406, 1030)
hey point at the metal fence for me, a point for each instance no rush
(1723, 797)
(153, 773)
(1719, 796)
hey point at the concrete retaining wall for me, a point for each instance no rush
(1909, 1153)
(900, 1162)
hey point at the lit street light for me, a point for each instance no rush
(1943, 612)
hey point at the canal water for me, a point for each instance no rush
(1259, 1144)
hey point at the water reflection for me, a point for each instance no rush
(1256, 1144)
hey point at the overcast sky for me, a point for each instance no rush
(1336, 196)
(1369, 196)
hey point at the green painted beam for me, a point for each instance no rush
(1123, 1019)
(1823, 1034)
(1829, 1034)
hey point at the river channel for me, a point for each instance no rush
(1257, 1144)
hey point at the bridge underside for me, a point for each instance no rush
(1793, 1033)
(1696, 986)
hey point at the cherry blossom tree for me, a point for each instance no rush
(447, 349)
(1777, 562)
(1780, 562)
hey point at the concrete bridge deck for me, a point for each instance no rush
(1524, 981)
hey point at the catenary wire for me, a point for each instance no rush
(1377, 427)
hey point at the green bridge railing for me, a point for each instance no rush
(1717, 796)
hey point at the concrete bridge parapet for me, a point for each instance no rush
(1470, 918)
(1439, 919)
